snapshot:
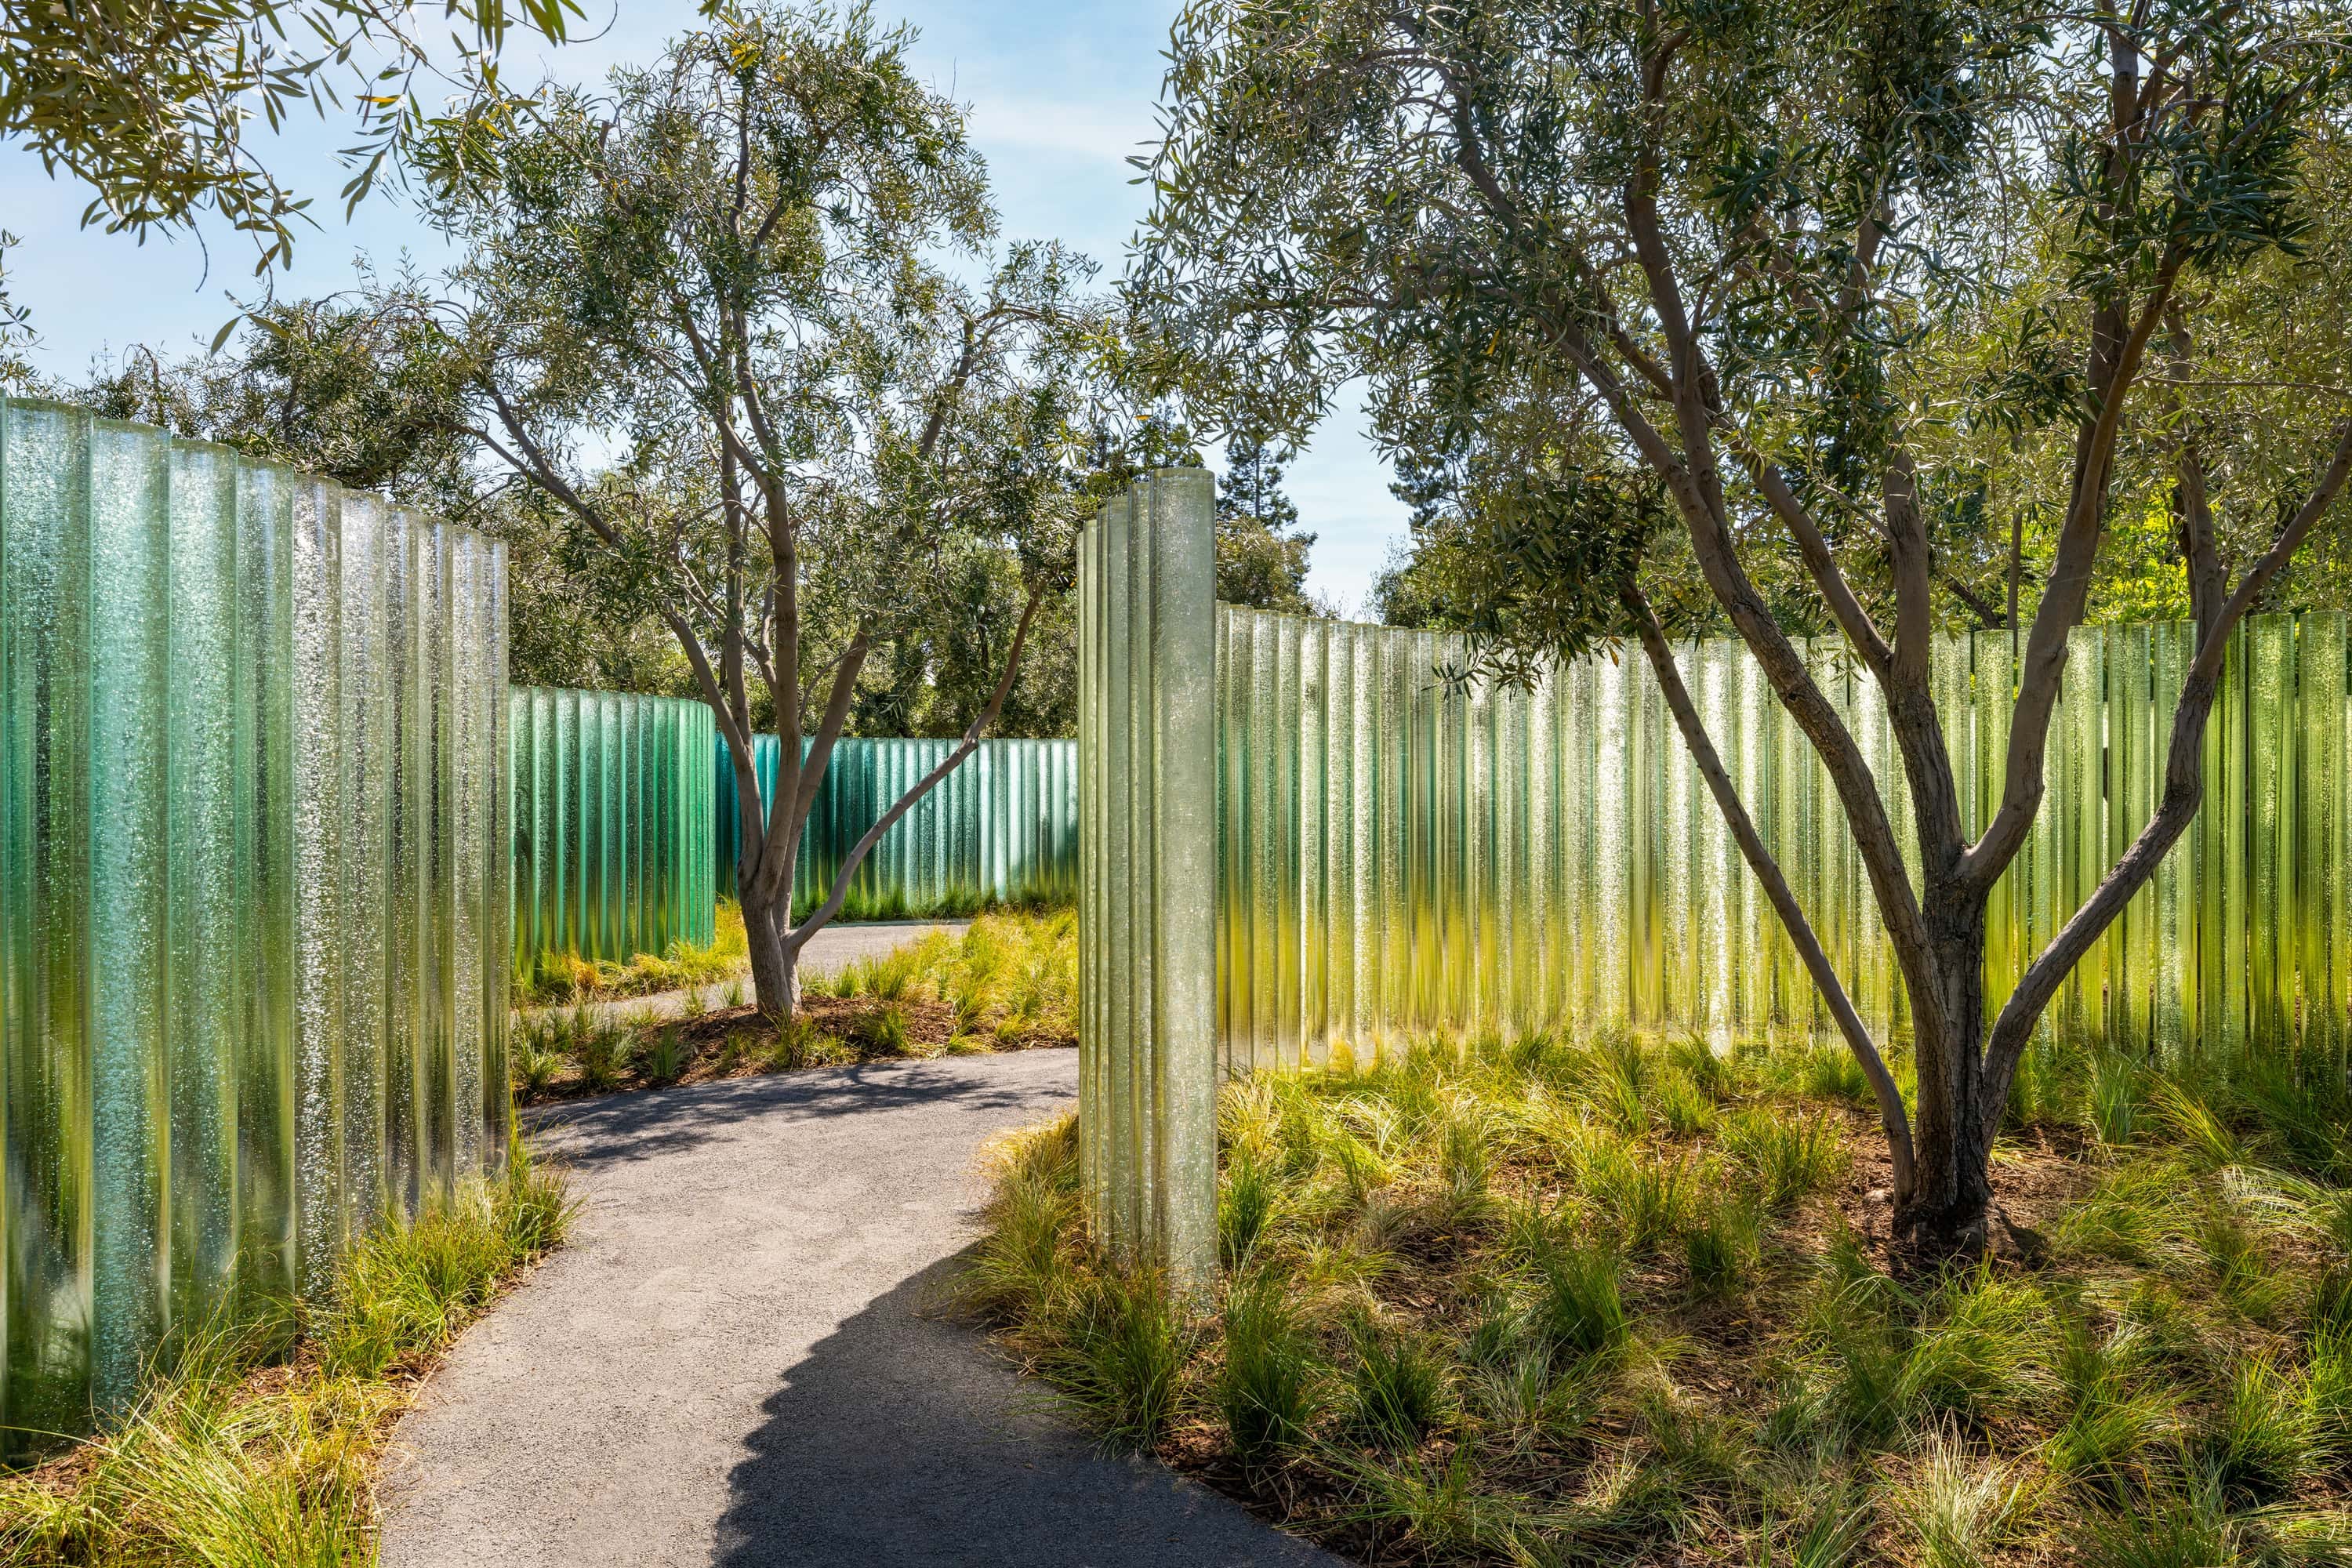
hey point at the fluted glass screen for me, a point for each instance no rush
(1398, 852)
(253, 949)
(612, 824)
(1002, 827)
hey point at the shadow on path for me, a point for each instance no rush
(902, 1439)
(647, 1124)
(728, 1361)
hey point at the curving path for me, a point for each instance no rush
(729, 1364)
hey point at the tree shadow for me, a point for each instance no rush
(644, 1124)
(902, 1438)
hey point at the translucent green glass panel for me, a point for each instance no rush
(1147, 717)
(611, 824)
(252, 950)
(1397, 852)
(1004, 826)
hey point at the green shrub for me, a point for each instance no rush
(1579, 1308)
(797, 1044)
(668, 1056)
(1699, 1061)
(1786, 1157)
(1397, 1391)
(1120, 1353)
(890, 977)
(2327, 1394)
(1023, 1270)
(1559, 1382)
(556, 977)
(2112, 1099)
(534, 1069)
(1720, 1246)
(1989, 1349)
(1959, 1505)
(211, 1467)
(406, 1286)
(1640, 1195)
(1244, 1211)
(2115, 1424)
(1271, 1383)
(2259, 1442)
(2183, 1528)
(1829, 1071)
(604, 1050)
(880, 1030)
(1679, 1104)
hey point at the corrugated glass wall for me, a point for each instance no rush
(1397, 853)
(1004, 826)
(1146, 1021)
(612, 824)
(253, 955)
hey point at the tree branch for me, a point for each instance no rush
(904, 803)
(1784, 903)
(2061, 610)
(2184, 787)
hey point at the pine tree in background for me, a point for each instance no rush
(1252, 487)
(1260, 563)
(1406, 592)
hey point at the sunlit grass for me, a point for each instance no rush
(560, 977)
(1007, 982)
(256, 1448)
(1008, 975)
(1564, 1300)
(955, 903)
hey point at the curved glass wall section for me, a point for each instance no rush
(612, 824)
(253, 954)
(1398, 852)
(1002, 828)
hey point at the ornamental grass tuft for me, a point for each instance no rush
(1567, 1300)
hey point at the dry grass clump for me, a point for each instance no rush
(254, 1449)
(559, 978)
(1008, 983)
(1558, 1300)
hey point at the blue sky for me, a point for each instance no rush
(1060, 94)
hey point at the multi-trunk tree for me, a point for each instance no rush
(1811, 284)
(705, 315)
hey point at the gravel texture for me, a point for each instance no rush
(732, 1361)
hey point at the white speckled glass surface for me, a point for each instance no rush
(252, 883)
(1149, 874)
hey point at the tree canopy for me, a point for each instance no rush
(1838, 297)
(151, 103)
(709, 315)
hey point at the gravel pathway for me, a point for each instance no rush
(732, 1363)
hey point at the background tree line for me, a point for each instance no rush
(352, 388)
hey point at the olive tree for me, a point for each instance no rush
(1766, 274)
(704, 313)
(149, 104)
(356, 390)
